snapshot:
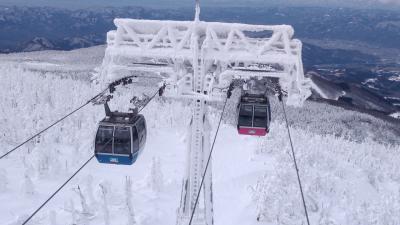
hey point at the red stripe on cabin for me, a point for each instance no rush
(252, 131)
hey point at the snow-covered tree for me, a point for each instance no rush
(28, 166)
(28, 186)
(129, 206)
(155, 179)
(70, 207)
(20, 219)
(30, 146)
(53, 217)
(3, 180)
(106, 212)
(86, 212)
(44, 161)
(89, 190)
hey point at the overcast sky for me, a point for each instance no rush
(180, 3)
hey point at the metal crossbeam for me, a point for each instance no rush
(222, 47)
(199, 60)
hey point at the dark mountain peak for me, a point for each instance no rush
(37, 44)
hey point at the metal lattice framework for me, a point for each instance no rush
(222, 50)
(198, 60)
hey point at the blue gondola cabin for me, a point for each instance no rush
(120, 138)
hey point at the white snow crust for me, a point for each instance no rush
(350, 175)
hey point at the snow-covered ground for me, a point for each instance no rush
(396, 115)
(395, 78)
(348, 161)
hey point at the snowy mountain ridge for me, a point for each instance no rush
(19, 25)
(340, 44)
(348, 160)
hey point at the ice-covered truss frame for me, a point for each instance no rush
(199, 60)
(217, 52)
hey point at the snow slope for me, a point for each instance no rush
(348, 161)
(351, 94)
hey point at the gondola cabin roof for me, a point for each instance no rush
(120, 119)
(254, 99)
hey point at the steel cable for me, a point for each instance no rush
(51, 125)
(294, 160)
(76, 172)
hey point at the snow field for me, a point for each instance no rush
(349, 174)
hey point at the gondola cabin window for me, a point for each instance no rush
(104, 138)
(260, 116)
(122, 140)
(246, 115)
(135, 140)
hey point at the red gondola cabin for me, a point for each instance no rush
(254, 115)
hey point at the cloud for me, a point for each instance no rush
(390, 1)
(168, 3)
(386, 2)
(355, 3)
(336, 2)
(345, 2)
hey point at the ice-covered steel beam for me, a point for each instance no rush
(218, 44)
(220, 39)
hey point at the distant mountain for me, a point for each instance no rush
(350, 94)
(65, 29)
(37, 44)
(22, 24)
(315, 55)
(353, 78)
(351, 50)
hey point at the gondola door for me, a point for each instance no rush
(141, 125)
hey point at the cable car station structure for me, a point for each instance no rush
(198, 60)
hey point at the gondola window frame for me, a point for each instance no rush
(111, 143)
(130, 140)
(252, 113)
(135, 141)
(266, 117)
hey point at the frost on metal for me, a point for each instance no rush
(199, 60)
(218, 51)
